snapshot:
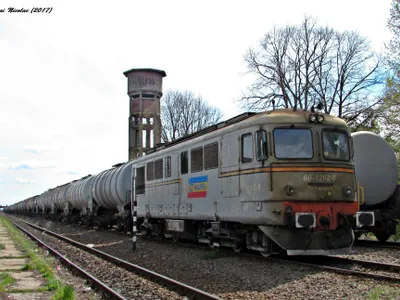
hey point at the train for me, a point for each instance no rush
(377, 171)
(281, 181)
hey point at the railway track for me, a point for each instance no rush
(179, 287)
(361, 268)
(96, 283)
(377, 244)
(340, 265)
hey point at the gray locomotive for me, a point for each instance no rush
(277, 181)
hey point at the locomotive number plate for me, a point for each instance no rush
(319, 177)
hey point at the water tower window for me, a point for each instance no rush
(151, 96)
(144, 137)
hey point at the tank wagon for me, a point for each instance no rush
(278, 181)
(377, 171)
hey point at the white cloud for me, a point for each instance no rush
(21, 180)
(45, 149)
(30, 164)
(65, 171)
(72, 173)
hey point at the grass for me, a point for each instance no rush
(383, 292)
(396, 237)
(65, 293)
(38, 263)
(2, 247)
(5, 279)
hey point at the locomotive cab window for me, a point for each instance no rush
(196, 160)
(293, 143)
(261, 145)
(336, 145)
(184, 162)
(247, 148)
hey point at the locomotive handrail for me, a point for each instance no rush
(360, 195)
(362, 191)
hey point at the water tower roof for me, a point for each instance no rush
(146, 70)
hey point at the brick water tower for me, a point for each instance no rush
(145, 91)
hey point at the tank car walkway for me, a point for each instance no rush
(15, 283)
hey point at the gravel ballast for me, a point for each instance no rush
(232, 277)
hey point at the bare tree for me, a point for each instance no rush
(183, 113)
(300, 66)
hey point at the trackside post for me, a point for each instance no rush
(134, 207)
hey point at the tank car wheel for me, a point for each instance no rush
(357, 235)
(265, 253)
(120, 226)
(175, 238)
(382, 235)
(211, 244)
(238, 248)
(145, 232)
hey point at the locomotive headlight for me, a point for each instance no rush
(289, 190)
(320, 118)
(347, 191)
(288, 210)
(312, 118)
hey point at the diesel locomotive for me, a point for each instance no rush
(280, 181)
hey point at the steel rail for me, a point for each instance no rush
(177, 286)
(377, 244)
(96, 282)
(339, 270)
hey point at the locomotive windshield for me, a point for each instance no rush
(336, 145)
(293, 143)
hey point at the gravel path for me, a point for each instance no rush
(233, 277)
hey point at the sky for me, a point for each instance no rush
(63, 97)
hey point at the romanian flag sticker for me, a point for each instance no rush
(198, 187)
